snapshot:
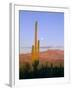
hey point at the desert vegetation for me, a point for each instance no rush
(49, 65)
(38, 70)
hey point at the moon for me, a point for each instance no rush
(42, 38)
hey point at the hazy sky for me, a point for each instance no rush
(50, 28)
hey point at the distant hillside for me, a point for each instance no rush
(49, 55)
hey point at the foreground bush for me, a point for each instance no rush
(45, 71)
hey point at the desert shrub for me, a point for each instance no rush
(44, 71)
(24, 70)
